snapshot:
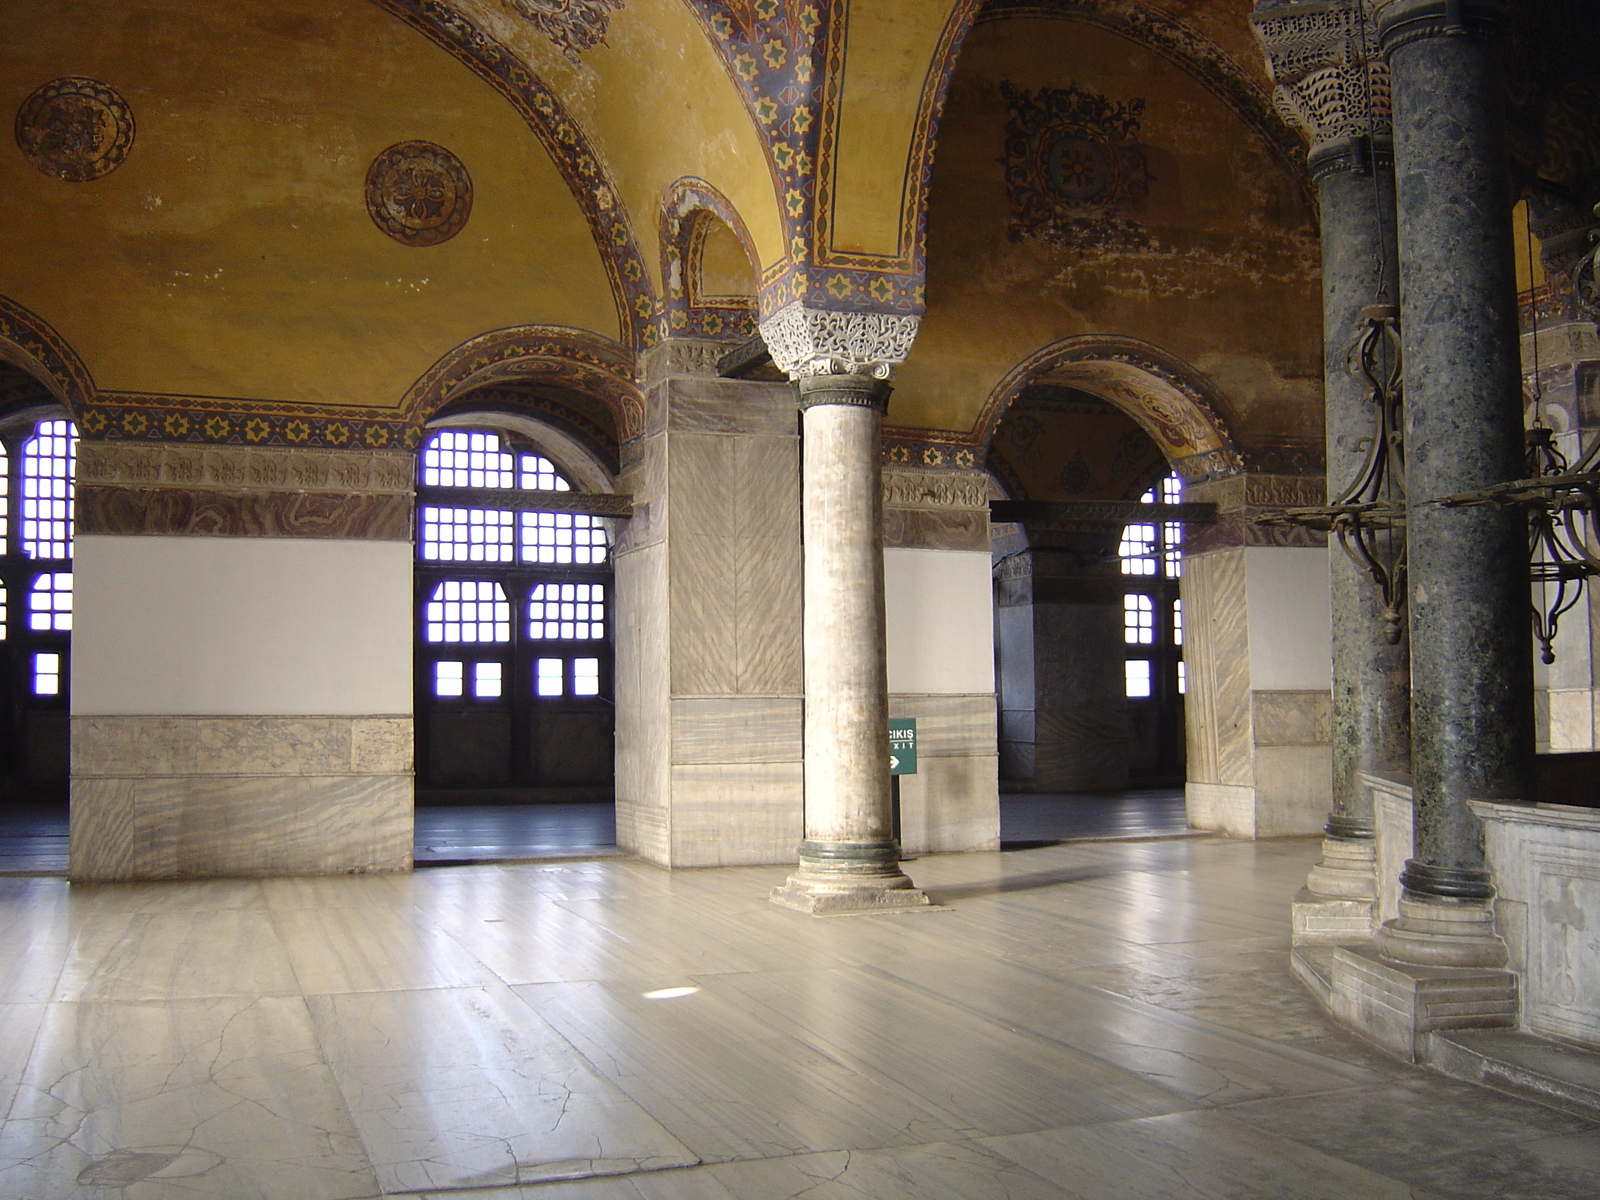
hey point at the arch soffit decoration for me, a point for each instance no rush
(569, 147)
(686, 204)
(30, 343)
(1180, 410)
(547, 354)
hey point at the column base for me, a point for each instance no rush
(1317, 920)
(1336, 905)
(848, 878)
(1442, 933)
(1400, 1005)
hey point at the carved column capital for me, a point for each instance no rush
(811, 341)
(1330, 80)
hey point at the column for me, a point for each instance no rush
(1472, 666)
(849, 860)
(1324, 61)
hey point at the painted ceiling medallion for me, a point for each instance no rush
(75, 129)
(1076, 175)
(419, 193)
(573, 25)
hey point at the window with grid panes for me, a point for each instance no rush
(38, 463)
(1154, 681)
(514, 622)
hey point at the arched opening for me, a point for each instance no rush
(38, 458)
(1087, 433)
(514, 616)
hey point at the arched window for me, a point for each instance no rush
(38, 460)
(1152, 622)
(513, 625)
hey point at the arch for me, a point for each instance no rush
(28, 342)
(693, 214)
(550, 354)
(1169, 400)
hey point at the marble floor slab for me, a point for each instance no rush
(1092, 1020)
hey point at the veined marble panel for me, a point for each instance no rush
(1293, 790)
(948, 725)
(196, 827)
(140, 747)
(736, 814)
(734, 537)
(714, 405)
(1221, 808)
(194, 512)
(918, 529)
(711, 730)
(1216, 647)
(1292, 718)
(951, 805)
(643, 741)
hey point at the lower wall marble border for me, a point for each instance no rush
(123, 747)
(198, 827)
(181, 797)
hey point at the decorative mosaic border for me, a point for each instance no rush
(577, 159)
(543, 354)
(44, 352)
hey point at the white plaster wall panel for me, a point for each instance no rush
(1290, 625)
(940, 611)
(225, 626)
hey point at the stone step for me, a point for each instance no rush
(1550, 1072)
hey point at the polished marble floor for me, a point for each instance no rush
(1108, 1019)
(33, 838)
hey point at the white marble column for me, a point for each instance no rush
(849, 859)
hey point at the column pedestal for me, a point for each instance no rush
(849, 860)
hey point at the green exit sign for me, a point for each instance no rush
(902, 745)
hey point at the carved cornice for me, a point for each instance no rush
(807, 341)
(1331, 82)
(267, 468)
(913, 488)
